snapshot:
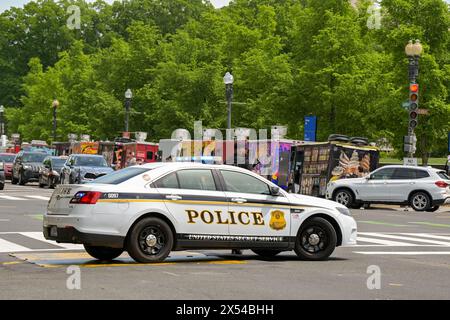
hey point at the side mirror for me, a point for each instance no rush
(275, 191)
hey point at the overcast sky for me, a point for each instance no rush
(6, 4)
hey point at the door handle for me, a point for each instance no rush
(238, 200)
(173, 197)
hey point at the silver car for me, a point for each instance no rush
(423, 188)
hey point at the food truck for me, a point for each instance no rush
(313, 165)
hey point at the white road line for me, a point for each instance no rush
(39, 236)
(380, 235)
(385, 242)
(11, 198)
(404, 253)
(4, 220)
(6, 246)
(426, 235)
(39, 197)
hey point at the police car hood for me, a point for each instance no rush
(320, 202)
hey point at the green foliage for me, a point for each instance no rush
(290, 58)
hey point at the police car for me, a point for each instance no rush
(156, 208)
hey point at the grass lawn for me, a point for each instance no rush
(431, 161)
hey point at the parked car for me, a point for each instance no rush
(2, 176)
(82, 168)
(8, 160)
(423, 188)
(51, 170)
(26, 167)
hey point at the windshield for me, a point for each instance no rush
(58, 163)
(7, 158)
(33, 157)
(120, 176)
(90, 162)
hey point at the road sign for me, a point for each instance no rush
(410, 161)
(310, 128)
(422, 111)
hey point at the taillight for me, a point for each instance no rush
(441, 184)
(86, 197)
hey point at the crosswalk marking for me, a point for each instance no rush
(385, 242)
(11, 198)
(6, 246)
(425, 235)
(407, 238)
(39, 236)
(404, 253)
(39, 197)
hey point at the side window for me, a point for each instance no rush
(149, 155)
(404, 174)
(243, 183)
(169, 181)
(383, 174)
(196, 179)
(421, 174)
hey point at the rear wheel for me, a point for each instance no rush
(103, 253)
(420, 201)
(150, 240)
(344, 197)
(433, 209)
(316, 240)
(266, 253)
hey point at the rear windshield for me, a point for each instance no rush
(120, 176)
(7, 158)
(443, 175)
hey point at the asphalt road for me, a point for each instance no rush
(410, 250)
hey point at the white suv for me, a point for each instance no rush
(423, 188)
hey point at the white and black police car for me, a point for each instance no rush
(153, 209)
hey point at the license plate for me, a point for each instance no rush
(54, 231)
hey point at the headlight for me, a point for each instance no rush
(1, 166)
(344, 211)
(27, 167)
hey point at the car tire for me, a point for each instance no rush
(150, 240)
(344, 197)
(265, 253)
(433, 209)
(41, 185)
(316, 240)
(2, 186)
(103, 253)
(420, 201)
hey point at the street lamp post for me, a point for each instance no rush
(413, 50)
(228, 79)
(55, 105)
(128, 97)
(2, 126)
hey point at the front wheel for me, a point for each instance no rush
(266, 253)
(316, 240)
(150, 240)
(420, 201)
(103, 253)
(344, 197)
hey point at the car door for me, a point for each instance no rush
(253, 210)
(376, 187)
(402, 183)
(196, 201)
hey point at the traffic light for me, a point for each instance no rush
(413, 105)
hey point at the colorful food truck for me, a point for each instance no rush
(313, 165)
